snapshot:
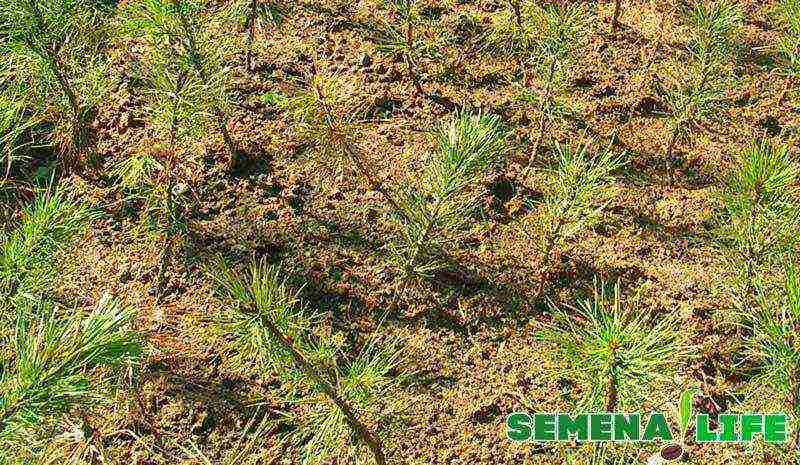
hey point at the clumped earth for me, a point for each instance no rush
(471, 335)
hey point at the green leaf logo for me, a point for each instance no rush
(686, 409)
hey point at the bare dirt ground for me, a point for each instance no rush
(471, 339)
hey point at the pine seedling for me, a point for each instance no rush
(254, 15)
(271, 329)
(787, 13)
(14, 124)
(186, 78)
(714, 28)
(561, 31)
(760, 217)
(400, 38)
(366, 382)
(697, 95)
(439, 205)
(512, 31)
(617, 354)
(28, 251)
(326, 118)
(154, 176)
(576, 192)
(55, 49)
(153, 180)
(185, 68)
(773, 346)
(262, 294)
(56, 364)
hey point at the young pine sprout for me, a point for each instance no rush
(14, 123)
(54, 48)
(512, 31)
(575, 193)
(617, 354)
(262, 294)
(28, 251)
(327, 119)
(787, 13)
(184, 65)
(400, 38)
(367, 382)
(254, 15)
(714, 28)
(561, 31)
(55, 364)
(439, 205)
(760, 217)
(185, 96)
(272, 330)
(698, 87)
(773, 348)
(153, 175)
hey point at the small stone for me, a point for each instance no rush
(114, 224)
(365, 60)
(385, 274)
(125, 276)
(180, 189)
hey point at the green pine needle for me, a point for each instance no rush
(603, 338)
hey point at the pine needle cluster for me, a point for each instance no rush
(342, 398)
(561, 30)
(401, 37)
(618, 354)
(576, 191)
(774, 348)
(184, 70)
(53, 55)
(760, 216)
(53, 360)
(758, 232)
(770, 356)
(440, 204)
(55, 364)
(698, 95)
(328, 120)
(28, 251)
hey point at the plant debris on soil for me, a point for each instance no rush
(472, 350)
